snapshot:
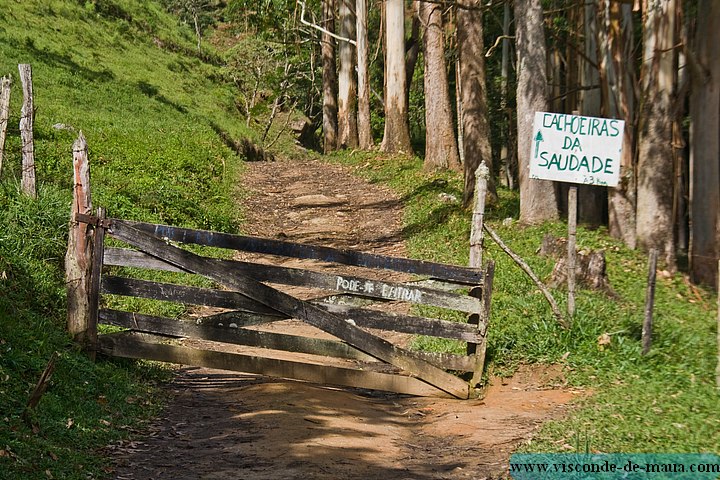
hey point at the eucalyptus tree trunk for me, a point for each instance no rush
(655, 226)
(330, 86)
(617, 81)
(475, 127)
(507, 153)
(705, 146)
(440, 143)
(396, 138)
(591, 198)
(538, 198)
(363, 119)
(412, 49)
(347, 81)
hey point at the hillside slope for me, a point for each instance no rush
(153, 110)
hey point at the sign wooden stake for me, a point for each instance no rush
(571, 254)
(649, 302)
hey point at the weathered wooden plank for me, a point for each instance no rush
(328, 254)
(237, 335)
(481, 319)
(170, 292)
(254, 313)
(307, 278)
(449, 361)
(124, 257)
(98, 248)
(406, 323)
(282, 302)
(129, 346)
(227, 334)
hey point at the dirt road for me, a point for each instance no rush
(222, 425)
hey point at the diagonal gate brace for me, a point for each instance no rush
(293, 307)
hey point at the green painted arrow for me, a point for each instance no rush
(538, 139)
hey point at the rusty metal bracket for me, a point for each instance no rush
(93, 220)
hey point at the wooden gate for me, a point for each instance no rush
(246, 305)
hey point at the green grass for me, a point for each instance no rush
(663, 402)
(157, 115)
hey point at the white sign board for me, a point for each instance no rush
(575, 149)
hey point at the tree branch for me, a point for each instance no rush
(526, 268)
(318, 27)
(497, 43)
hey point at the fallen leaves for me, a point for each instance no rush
(603, 341)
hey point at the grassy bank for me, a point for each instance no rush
(663, 402)
(157, 117)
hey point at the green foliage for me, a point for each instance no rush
(151, 108)
(663, 402)
(270, 44)
(86, 405)
(197, 14)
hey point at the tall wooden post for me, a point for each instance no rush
(78, 259)
(476, 229)
(26, 132)
(5, 83)
(480, 318)
(649, 303)
(571, 253)
(572, 231)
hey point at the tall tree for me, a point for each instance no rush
(617, 83)
(538, 198)
(705, 145)
(440, 143)
(591, 198)
(330, 86)
(347, 81)
(363, 120)
(655, 226)
(473, 93)
(396, 137)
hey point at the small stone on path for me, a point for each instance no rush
(317, 201)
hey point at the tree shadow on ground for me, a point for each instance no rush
(222, 425)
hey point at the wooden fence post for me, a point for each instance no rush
(5, 83)
(571, 253)
(482, 319)
(476, 233)
(649, 302)
(26, 132)
(572, 234)
(78, 260)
